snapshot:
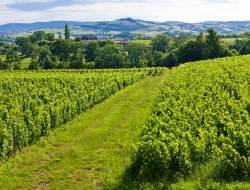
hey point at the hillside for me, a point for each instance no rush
(12, 28)
(127, 27)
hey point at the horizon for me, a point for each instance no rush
(124, 18)
(192, 11)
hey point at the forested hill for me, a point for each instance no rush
(129, 25)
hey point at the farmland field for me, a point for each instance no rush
(230, 40)
(34, 102)
(25, 61)
(91, 151)
(199, 128)
(146, 42)
(196, 137)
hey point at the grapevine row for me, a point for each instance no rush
(32, 103)
(202, 118)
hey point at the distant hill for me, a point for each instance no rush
(13, 28)
(126, 27)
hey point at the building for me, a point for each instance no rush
(89, 37)
(121, 41)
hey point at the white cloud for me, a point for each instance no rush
(157, 10)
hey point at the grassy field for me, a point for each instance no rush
(147, 42)
(93, 151)
(230, 40)
(2, 57)
(25, 61)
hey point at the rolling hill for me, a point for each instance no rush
(125, 27)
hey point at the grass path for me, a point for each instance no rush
(90, 152)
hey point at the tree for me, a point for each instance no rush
(76, 61)
(160, 43)
(34, 62)
(41, 53)
(136, 54)
(50, 63)
(77, 47)
(10, 56)
(192, 50)
(246, 36)
(61, 48)
(238, 44)
(12, 59)
(37, 36)
(212, 44)
(3, 64)
(25, 45)
(50, 37)
(200, 47)
(157, 56)
(92, 48)
(110, 56)
(149, 58)
(17, 63)
(169, 59)
(180, 39)
(2, 47)
(103, 43)
(224, 50)
(234, 52)
(188, 52)
(245, 49)
(66, 32)
(89, 65)
(6, 47)
(78, 39)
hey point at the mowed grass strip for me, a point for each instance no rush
(90, 152)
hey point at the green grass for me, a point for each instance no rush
(25, 61)
(230, 40)
(208, 185)
(92, 151)
(147, 42)
(2, 57)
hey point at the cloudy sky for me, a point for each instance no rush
(27, 11)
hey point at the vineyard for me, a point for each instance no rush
(32, 103)
(201, 120)
(198, 130)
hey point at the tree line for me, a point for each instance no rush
(48, 52)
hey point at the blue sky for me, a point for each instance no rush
(28, 11)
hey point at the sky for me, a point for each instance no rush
(29, 11)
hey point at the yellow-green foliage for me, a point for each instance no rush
(202, 117)
(33, 102)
